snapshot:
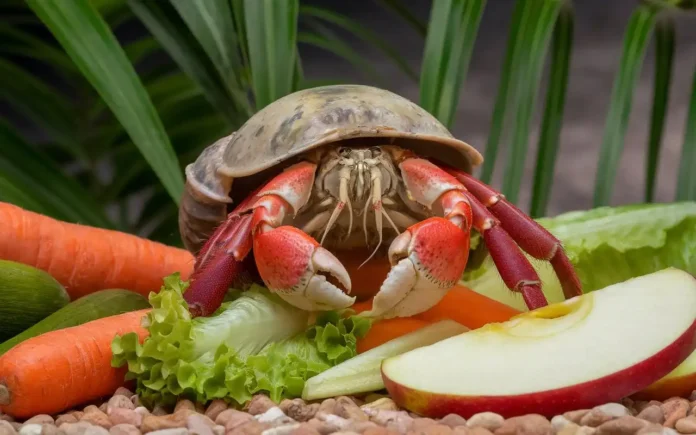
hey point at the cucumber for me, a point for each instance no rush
(94, 306)
(27, 295)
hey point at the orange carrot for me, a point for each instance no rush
(462, 305)
(61, 369)
(385, 330)
(469, 308)
(86, 259)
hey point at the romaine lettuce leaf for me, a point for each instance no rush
(606, 245)
(255, 342)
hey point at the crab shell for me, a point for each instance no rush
(283, 131)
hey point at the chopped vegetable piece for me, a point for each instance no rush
(361, 374)
(58, 370)
(255, 342)
(87, 259)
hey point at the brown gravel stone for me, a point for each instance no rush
(215, 408)
(347, 408)
(626, 425)
(152, 423)
(65, 418)
(251, 428)
(82, 428)
(40, 419)
(102, 407)
(91, 408)
(328, 406)
(305, 429)
(363, 426)
(184, 404)
(487, 420)
(124, 429)
(298, 410)
(674, 409)
(656, 429)
(577, 415)
(259, 404)
(6, 428)
(613, 409)
(119, 401)
(531, 424)
(686, 424)
(595, 418)
(653, 414)
(382, 403)
(49, 429)
(420, 424)
(380, 431)
(125, 416)
(453, 420)
(97, 418)
(159, 411)
(199, 424)
(123, 391)
(395, 420)
(231, 418)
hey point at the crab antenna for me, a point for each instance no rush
(343, 198)
(376, 176)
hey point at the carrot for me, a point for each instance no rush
(469, 308)
(462, 305)
(86, 259)
(385, 330)
(61, 369)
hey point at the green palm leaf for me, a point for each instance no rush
(90, 43)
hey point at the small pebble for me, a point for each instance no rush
(82, 428)
(328, 406)
(298, 410)
(124, 429)
(173, 431)
(97, 418)
(595, 418)
(305, 429)
(613, 409)
(6, 428)
(569, 429)
(219, 430)
(49, 429)
(160, 422)
(530, 424)
(40, 419)
(31, 429)
(184, 404)
(453, 420)
(199, 424)
(125, 416)
(123, 391)
(65, 418)
(487, 420)
(215, 408)
(626, 425)
(559, 422)
(686, 424)
(259, 404)
(653, 414)
(347, 408)
(381, 403)
(577, 415)
(231, 418)
(119, 402)
(674, 409)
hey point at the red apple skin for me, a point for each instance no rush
(664, 389)
(611, 388)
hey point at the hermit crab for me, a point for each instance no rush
(343, 167)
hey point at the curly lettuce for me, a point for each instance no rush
(606, 245)
(255, 342)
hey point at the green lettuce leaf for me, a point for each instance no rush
(255, 342)
(606, 245)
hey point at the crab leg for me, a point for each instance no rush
(528, 234)
(289, 261)
(429, 257)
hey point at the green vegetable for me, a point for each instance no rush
(606, 245)
(362, 374)
(85, 309)
(255, 342)
(27, 295)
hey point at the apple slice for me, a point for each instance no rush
(680, 382)
(583, 352)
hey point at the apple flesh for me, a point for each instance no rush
(596, 348)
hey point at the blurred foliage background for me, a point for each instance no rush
(121, 116)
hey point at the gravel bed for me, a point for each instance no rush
(374, 414)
